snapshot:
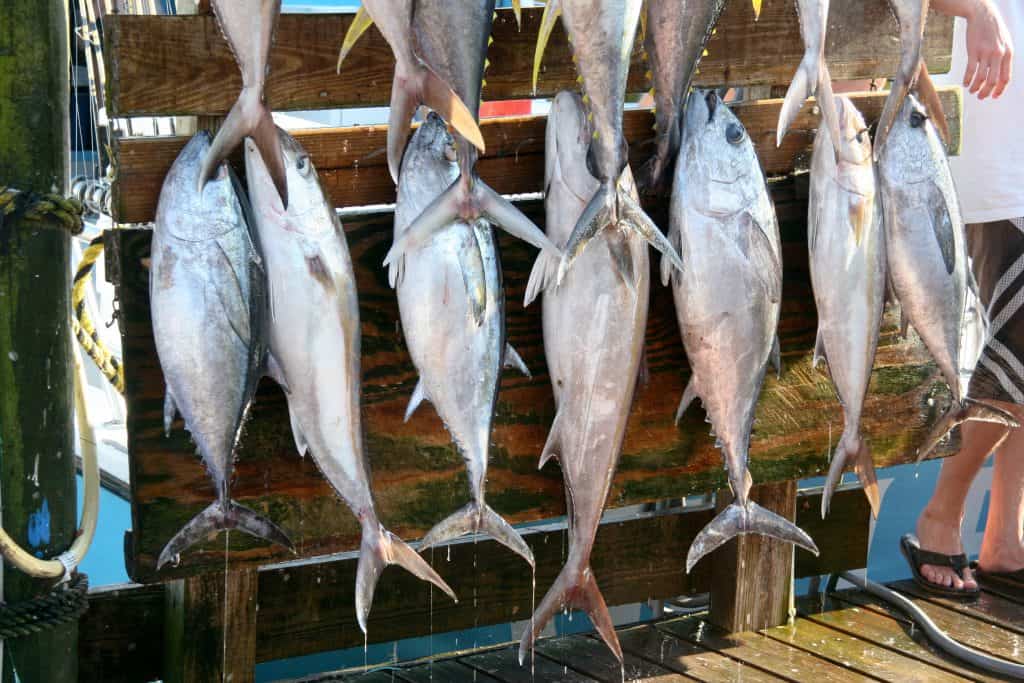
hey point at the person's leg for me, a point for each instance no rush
(1002, 549)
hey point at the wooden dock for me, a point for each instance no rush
(846, 636)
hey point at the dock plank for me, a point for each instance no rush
(592, 657)
(687, 658)
(989, 607)
(504, 664)
(447, 670)
(761, 652)
(857, 654)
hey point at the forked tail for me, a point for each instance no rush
(746, 518)
(852, 449)
(379, 549)
(249, 117)
(220, 516)
(970, 410)
(811, 77)
(573, 589)
(906, 76)
(478, 518)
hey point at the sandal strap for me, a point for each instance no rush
(957, 562)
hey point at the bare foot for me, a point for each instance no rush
(1001, 557)
(940, 535)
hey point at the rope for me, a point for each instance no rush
(82, 325)
(42, 208)
(65, 603)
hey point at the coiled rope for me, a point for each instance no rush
(42, 208)
(65, 603)
(82, 325)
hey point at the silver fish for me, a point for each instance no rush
(677, 33)
(928, 264)
(458, 50)
(727, 300)
(812, 74)
(593, 337)
(847, 259)
(207, 295)
(415, 82)
(453, 315)
(248, 26)
(314, 341)
(602, 33)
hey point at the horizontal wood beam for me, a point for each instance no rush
(352, 161)
(305, 608)
(182, 66)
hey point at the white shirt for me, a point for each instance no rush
(989, 173)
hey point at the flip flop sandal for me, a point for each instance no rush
(916, 556)
(1011, 583)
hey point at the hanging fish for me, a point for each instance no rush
(314, 340)
(248, 26)
(207, 294)
(594, 327)
(415, 82)
(727, 301)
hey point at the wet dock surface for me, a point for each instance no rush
(846, 636)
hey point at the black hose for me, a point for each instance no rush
(934, 633)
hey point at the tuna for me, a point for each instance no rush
(847, 259)
(727, 300)
(676, 35)
(248, 26)
(928, 263)
(415, 82)
(593, 338)
(314, 340)
(453, 315)
(207, 293)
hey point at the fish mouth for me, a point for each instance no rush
(728, 181)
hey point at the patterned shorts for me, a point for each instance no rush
(997, 255)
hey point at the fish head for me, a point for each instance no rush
(718, 157)
(909, 153)
(568, 144)
(195, 215)
(854, 171)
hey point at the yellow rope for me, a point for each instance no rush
(41, 208)
(82, 325)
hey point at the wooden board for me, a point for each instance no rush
(417, 475)
(353, 169)
(182, 65)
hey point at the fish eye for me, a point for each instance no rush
(302, 164)
(860, 135)
(917, 119)
(711, 99)
(734, 133)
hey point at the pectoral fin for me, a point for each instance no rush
(515, 361)
(419, 395)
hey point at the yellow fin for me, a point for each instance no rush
(552, 10)
(517, 9)
(360, 22)
(757, 9)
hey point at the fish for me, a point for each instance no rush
(928, 263)
(458, 49)
(452, 306)
(848, 275)
(314, 351)
(911, 73)
(248, 26)
(676, 35)
(207, 292)
(602, 33)
(812, 74)
(415, 82)
(727, 300)
(594, 328)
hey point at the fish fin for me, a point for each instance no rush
(301, 444)
(360, 22)
(776, 357)
(477, 518)
(800, 88)
(643, 373)
(439, 213)
(419, 395)
(635, 216)
(543, 274)
(552, 9)
(902, 82)
(380, 548)
(763, 258)
(517, 9)
(971, 410)
(596, 216)
(937, 212)
(929, 97)
(439, 96)
(553, 445)
(622, 258)
(819, 350)
(574, 588)
(274, 371)
(904, 322)
(170, 411)
(738, 519)
(233, 302)
(853, 449)
(217, 517)
(675, 239)
(502, 213)
(827, 106)
(689, 393)
(515, 361)
(402, 107)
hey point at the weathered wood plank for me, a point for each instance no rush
(352, 161)
(504, 664)
(989, 607)
(182, 65)
(448, 670)
(120, 638)
(592, 657)
(752, 585)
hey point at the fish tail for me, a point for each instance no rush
(542, 275)
(380, 548)
(574, 588)
(827, 105)
(970, 410)
(221, 516)
(478, 518)
(853, 449)
(929, 97)
(804, 82)
(249, 117)
(633, 215)
(439, 96)
(746, 518)
(906, 74)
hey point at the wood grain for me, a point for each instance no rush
(353, 167)
(182, 65)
